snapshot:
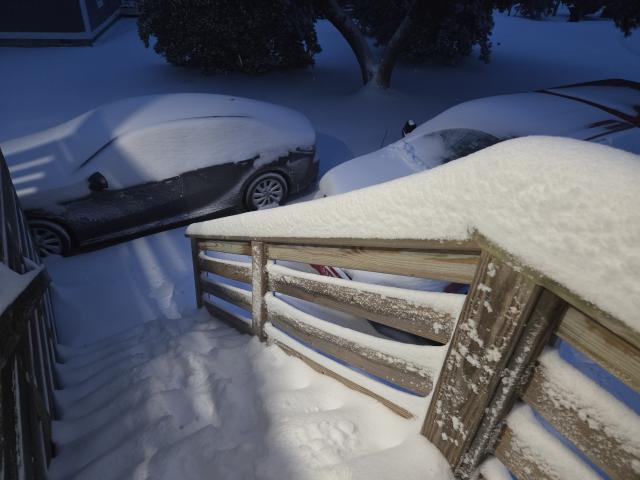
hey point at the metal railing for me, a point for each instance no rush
(27, 346)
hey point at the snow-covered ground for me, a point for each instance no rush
(154, 389)
(191, 398)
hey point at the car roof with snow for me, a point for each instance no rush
(57, 153)
(605, 111)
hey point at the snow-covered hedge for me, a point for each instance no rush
(568, 208)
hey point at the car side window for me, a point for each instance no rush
(169, 149)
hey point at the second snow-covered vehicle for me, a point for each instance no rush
(602, 111)
(147, 162)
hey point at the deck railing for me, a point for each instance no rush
(27, 346)
(501, 363)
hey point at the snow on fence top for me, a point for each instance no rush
(567, 208)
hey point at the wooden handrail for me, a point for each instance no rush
(510, 314)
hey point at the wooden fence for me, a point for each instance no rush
(495, 373)
(27, 346)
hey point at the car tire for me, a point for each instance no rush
(49, 238)
(266, 191)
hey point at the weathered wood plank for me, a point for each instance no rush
(259, 285)
(495, 311)
(577, 419)
(452, 267)
(397, 308)
(237, 296)
(196, 271)
(229, 318)
(226, 268)
(603, 346)
(238, 248)
(460, 246)
(392, 369)
(603, 318)
(539, 328)
(520, 463)
(354, 386)
(531, 452)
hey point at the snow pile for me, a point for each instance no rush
(562, 206)
(192, 399)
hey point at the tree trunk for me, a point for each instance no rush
(374, 72)
(393, 49)
(356, 40)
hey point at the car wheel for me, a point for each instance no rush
(266, 191)
(50, 238)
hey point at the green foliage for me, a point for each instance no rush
(442, 30)
(625, 13)
(219, 36)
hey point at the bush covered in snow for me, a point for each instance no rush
(219, 36)
(444, 30)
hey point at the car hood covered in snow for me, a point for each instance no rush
(49, 159)
(412, 154)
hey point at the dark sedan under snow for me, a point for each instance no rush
(149, 162)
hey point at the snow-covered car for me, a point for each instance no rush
(148, 162)
(604, 111)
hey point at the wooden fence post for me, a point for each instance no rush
(259, 283)
(539, 327)
(496, 309)
(195, 251)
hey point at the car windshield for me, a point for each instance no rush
(456, 143)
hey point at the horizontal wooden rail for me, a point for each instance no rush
(454, 246)
(532, 453)
(451, 267)
(602, 345)
(228, 293)
(227, 317)
(392, 369)
(403, 412)
(226, 268)
(237, 248)
(399, 308)
(579, 420)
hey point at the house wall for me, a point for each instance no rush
(54, 16)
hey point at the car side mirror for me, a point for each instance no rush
(97, 182)
(408, 127)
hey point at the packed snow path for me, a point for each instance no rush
(192, 398)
